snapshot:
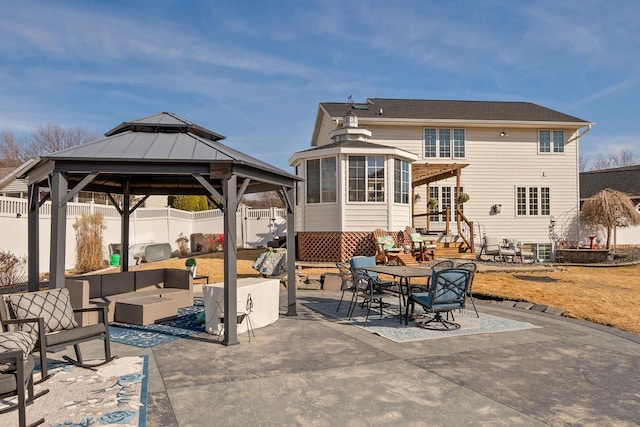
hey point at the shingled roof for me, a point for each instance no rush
(625, 179)
(448, 110)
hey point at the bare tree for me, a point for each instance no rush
(44, 140)
(609, 209)
(268, 199)
(616, 159)
(11, 150)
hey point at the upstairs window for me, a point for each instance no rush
(551, 141)
(444, 143)
(366, 178)
(321, 180)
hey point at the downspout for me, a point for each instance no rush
(577, 137)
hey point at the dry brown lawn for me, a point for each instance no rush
(605, 295)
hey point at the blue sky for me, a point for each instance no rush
(256, 71)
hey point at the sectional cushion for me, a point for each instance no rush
(118, 283)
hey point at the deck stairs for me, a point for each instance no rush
(449, 246)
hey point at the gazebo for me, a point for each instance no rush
(162, 154)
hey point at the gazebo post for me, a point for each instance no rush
(33, 233)
(59, 187)
(124, 227)
(291, 252)
(230, 262)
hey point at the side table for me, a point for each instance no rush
(206, 278)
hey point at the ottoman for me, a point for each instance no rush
(145, 310)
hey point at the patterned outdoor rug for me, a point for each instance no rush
(389, 325)
(113, 394)
(187, 323)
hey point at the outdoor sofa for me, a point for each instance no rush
(138, 297)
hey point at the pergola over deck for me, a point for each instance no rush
(162, 154)
(425, 174)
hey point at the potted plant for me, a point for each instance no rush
(463, 198)
(433, 202)
(190, 263)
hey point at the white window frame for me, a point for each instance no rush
(557, 141)
(374, 187)
(401, 182)
(324, 181)
(531, 200)
(435, 149)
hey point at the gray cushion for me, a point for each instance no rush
(12, 341)
(52, 305)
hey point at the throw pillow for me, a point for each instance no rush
(415, 237)
(12, 341)
(53, 306)
(387, 242)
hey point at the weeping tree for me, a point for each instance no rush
(609, 209)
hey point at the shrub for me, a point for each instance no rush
(11, 269)
(182, 241)
(89, 242)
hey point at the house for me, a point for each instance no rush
(377, 164)
(626, 180)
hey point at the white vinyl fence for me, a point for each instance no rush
(255, 227)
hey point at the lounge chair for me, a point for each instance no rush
(16, 372)
(386, 248)
(55, 323)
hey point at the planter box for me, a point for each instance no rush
(582, 256)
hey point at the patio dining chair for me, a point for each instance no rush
(472, 267)
(447, 292)
(347, 281)
(367, 285)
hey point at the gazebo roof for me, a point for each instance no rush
(158, 154)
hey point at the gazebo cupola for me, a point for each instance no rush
(350, 130)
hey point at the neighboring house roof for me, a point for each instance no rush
(9, 175)
(448, 110)
(625, 179)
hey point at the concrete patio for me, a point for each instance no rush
(315, 370)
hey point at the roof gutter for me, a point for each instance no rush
(580, 135)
